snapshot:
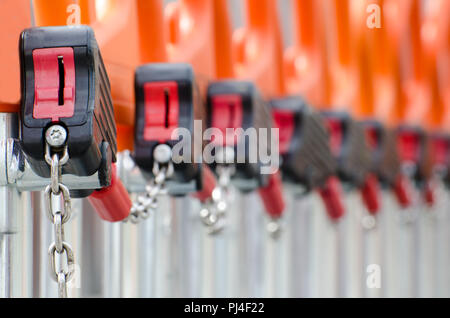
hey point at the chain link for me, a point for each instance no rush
(55, 192)
(213, 214)
(145, 204)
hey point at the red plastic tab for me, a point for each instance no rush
(208, 185)
(284, 121)
(372, 137)
(429, 193)
(371, 194)
(440, 150)
(336, 135)
(111, 203)
(331, 194)
(403, 191)
(54, 93)
(272, 196)
(409, 146)
(227, 113)
(161, 110)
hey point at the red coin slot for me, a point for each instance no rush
(227, 113)
(439, 151)
(372, 138)
(336, 135)
(161, 110)
(409, 146)
(54, 83)
(284, 121)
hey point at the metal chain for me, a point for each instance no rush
(147, 203)
(162, 170)
(61, 272)
(213, 214)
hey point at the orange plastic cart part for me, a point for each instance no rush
(15, 16)
(341, 55)
(151, 31)
(222, 40)
(414, 84)
(257, 48)
(190, 37)
(53, 12)
(363, 106)
(384, 63)
(305, 66)
(343, 42)
(319, 64)
(434, 35)
(443, 40)
(199, 32)
(419, 100)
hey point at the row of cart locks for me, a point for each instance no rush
(157, 153)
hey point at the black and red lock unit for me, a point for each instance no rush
(438, 156)
(412, 148)
(349, 147)
(382, 143)
(424, 156)
(237, 110)
(167, 98)
(305, 152)
(64, 82)
(437, 163)
(420, 154)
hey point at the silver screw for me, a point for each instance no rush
(274, 229)
(162, 153)
(56, 135)
(368, 222)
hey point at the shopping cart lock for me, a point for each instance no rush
(66, 110)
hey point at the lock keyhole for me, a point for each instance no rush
(62, 83)
(232, 114)
(166, 103)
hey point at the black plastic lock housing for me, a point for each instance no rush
(348, 146)
(385, 161)
(247, 109)
(64, 81)
(167, 97)
(413, 144)
(307, 159)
